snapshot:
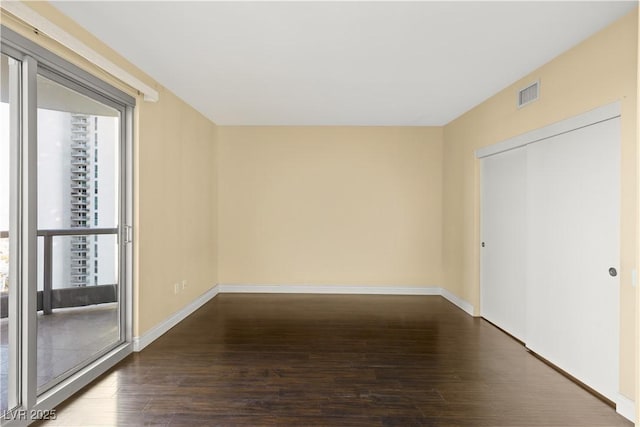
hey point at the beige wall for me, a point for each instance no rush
(175, 200)
(176, 208)
(599, 71)
(637, 230)
(330, 205)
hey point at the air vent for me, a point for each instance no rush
(528, 94)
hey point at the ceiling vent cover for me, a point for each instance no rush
(528, 94)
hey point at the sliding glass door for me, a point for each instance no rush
(65, 215)
(78, 221)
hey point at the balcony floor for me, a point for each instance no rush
(66, 338)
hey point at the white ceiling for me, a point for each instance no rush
(340, 63)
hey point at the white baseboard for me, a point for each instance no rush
(154, 333)
(626, 407)
(355, 290)
(328, 289)
(457, 301)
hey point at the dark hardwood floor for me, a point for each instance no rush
(334, 360)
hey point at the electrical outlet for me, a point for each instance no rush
(184, 285)
(634, 278)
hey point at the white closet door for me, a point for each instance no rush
(573, 240)
(503, 258)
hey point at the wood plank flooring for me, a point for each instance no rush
(334, 360)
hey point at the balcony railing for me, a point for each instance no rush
(50, 298)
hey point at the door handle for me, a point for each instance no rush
(613, 272)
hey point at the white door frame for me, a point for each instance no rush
(605, 112)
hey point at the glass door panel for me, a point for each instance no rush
(78, 220)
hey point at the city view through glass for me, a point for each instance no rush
(78, 166)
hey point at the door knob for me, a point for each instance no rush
(613, 272)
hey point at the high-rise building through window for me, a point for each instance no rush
(75, 193)
(80, 252)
